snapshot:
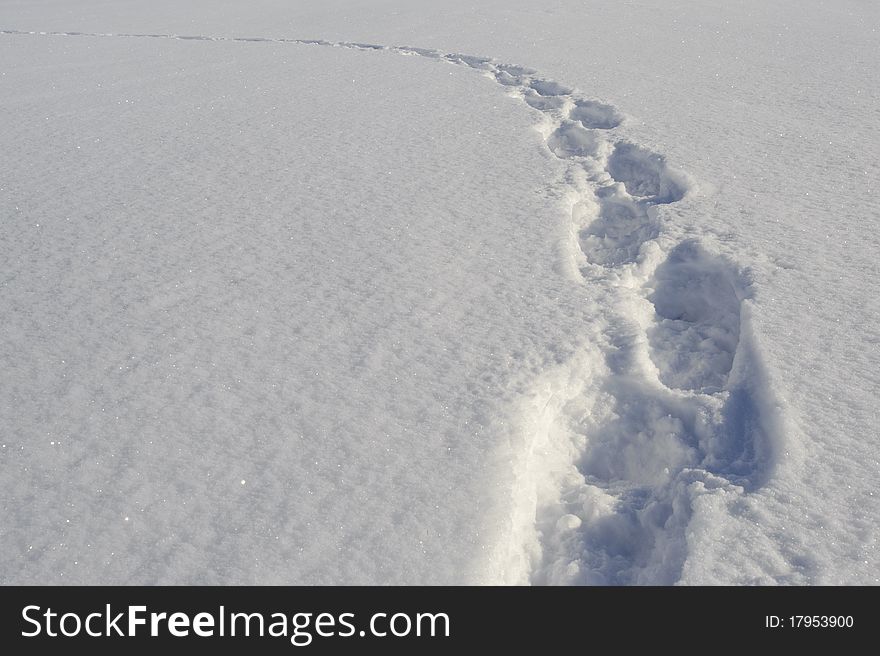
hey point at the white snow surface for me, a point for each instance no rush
(406, 292)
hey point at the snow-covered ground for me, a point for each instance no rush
(420, 292)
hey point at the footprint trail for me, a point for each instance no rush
(619, 442)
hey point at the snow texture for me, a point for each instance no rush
(341, 309)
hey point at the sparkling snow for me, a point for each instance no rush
(399, 292)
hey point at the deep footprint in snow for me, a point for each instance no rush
(510, 75)
(596, 115)
(364, 46)
(645, 442)
(696, 333)
(473, 61)
(572, 140)
(550, 88)
(645, 174)
(617, 235)
(543, 103)
(421, 52)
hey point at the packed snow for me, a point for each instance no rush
(411, 292)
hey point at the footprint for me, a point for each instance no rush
(572, 140)
(513, 76)
(508, 79)
(515, 69)
(617, 235)
(645, 442)
(478, 63)
(696, 333)
(421, 52)
(549, 88)
(645, 174)
(596, 115)
(543, 103)
(620, 519)
(361, 46)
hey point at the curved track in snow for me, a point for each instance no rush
(663, 408)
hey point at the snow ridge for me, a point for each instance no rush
(666, 404)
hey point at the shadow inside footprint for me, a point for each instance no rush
(550, 88)
(421, 52)
(737, 454)
(478, 63)
(645, 174)
(508, 79)
(616, 237)
(596, 115)
(543, 103)
(696, 333)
